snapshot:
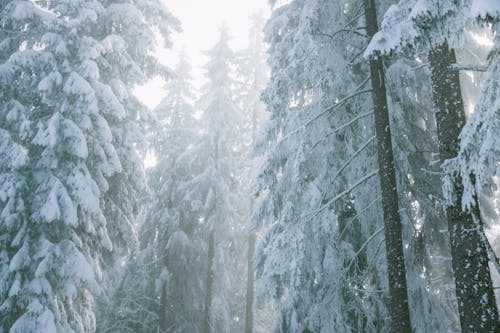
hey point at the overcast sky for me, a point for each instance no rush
(201, 20)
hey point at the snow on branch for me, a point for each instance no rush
(356, 92)
(338, 104)
(356, 154)
(345, 30)
(470, 67)
(340, 195)
(372, 237)
(357, 215)
(491, 253)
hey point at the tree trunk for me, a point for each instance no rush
(208, 284)
(251, 246)
(162, 311)
(250, 285)
(474, 289)
(207, 325)
(398, 298)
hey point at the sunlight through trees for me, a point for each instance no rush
(333, 166)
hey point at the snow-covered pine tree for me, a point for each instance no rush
(433, 26)
(252, 76)
(161, 289)
(14, 128)
(319, 187)
(311, 55)
(215, 185)
(171, 231)
(53, 264)
(71, 112)
(128, 32)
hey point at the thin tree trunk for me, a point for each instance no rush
(208, 284)
(474, 289)
(398, 300)
(251, 247)
(163, 309)
(250, 285)
(211, 247)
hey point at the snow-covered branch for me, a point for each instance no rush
(340, 195)
(372, 237)
(470, 67)
(357, 215)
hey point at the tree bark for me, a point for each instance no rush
(398, 298)
(474, 289)
(208, 284)
(163, 309)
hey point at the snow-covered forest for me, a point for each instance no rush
(338, 173)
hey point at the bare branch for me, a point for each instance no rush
(372, 237)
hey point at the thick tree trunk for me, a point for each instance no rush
(250, 285)
(398, 298)
(209, 284)
(474, 288)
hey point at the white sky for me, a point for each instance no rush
(201, 20)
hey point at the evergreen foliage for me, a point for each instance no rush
(344, 181)
(67, 106)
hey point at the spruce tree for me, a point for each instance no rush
(434, 27)
(321, 249)
(217, 182)
(71, 107)
(161, 286)
(253, 73)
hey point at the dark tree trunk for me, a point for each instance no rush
(250, 285)
(474, 288)
(398, 298)
(162, 310)
(209, 284)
